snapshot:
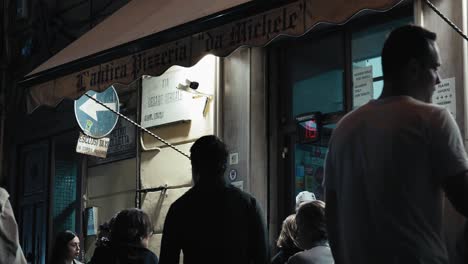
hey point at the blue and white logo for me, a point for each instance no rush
(94, 119)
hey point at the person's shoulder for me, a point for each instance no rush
(184, 199)
(150, 257)
(236, 192)
(102, 254)
(139, 252)
(321, 254)
(323, 250)
(431, 113)
(424, 106)
(241, 197)
(3, 198)
(298, 258)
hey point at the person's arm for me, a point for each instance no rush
(170, 247)
(449, 160)
(259, 247)
(456, 189)
(332, 225)
(331, 205)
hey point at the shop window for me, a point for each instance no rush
(316, 72)
(64, 212)
(367, 62)
(329, 73)
(317, 75)
(321, 93)
(309, 161)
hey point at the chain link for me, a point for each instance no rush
(140, 127)
(457, 29)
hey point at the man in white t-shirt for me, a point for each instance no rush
(391, 161)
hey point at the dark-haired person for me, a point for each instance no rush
(66, 248)
(129, 237)
(103, 240)
(391, 161)
(312, 235)
(213, 222)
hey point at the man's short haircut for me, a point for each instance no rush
(310, 220)
(403, 44)
(209, 156)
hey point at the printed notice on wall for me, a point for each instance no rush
(122, 144)
(444, 95)
(363, 89)
(162, 103)
(92, 146)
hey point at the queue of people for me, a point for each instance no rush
(389, 165)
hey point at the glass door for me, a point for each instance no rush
(316, 81)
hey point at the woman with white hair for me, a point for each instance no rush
(286, 243)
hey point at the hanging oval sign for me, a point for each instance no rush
(93, 118)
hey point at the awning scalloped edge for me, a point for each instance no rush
(293, 20)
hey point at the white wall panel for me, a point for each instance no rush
(156, 204)
(166, 167)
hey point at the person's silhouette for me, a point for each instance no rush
(213, 222)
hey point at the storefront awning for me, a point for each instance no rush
(140, 19)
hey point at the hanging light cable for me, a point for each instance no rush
(137, 125)
(447, 20)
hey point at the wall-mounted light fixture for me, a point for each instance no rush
(191, 87)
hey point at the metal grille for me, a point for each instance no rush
(64, 206)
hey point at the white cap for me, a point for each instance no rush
(304, 196)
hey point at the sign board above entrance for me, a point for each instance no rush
(163, 103)
(94, 119)
(292, 19)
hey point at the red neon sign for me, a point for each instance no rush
(310, 131)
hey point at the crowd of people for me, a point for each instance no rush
(388, 166)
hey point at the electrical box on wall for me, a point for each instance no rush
(309, 127)
(92, 224)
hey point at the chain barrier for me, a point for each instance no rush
(140, 127)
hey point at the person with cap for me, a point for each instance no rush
(304, 197)
(213, 222)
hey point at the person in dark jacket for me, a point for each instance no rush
(129, 238)
(213, 222)
(286, 243)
